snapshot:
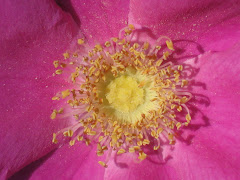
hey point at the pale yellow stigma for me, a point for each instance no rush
(124, 94)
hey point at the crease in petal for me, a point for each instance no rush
(30, 39)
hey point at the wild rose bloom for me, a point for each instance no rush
(32, 38)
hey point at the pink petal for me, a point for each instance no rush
(77, 162)
(101, 19)
(33, 34)
(197, 25)
(214, 151)
(127, 167)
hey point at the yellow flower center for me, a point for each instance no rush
(125, 95)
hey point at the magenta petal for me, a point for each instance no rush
(214, 151)
(101, 19)
(33, 34)
(77, 163)
(127, 167)
(212, 24)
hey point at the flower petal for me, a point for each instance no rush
(76, 162)
(127, 167)
(212, 25)
(214, 150)
(101, 19)
(33, 34)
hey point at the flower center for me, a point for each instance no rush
(124, 94)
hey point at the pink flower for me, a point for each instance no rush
(206, 35)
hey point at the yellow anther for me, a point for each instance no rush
(184, 83)
(72, 142)
(178, 125)
(115, 39)
(92, 133)
(56, 64)
(103, 164)
(131, 150)
(87, 142)
(180, 67)
(121, 151)
(135, 45)
(85, 58)
(65, 93)
(188, 118)
(131, 26)
(158, 47)
(173, 106)
(170, 45)
(59, 71)
(127, 31)
(75, 55)
(159, 62)
(100, 153)
(63, 65)
(81, 41)
(165, 55)
(107, 44)
(55, 98)
(143, 56)
(170, 136)
(100, 138)
(184, 99)
(66, 55)
(140, 136)
(139, 143)
(79, 138)
(142, 156)
(146, 141)
(68, 133)
(153, 133)
(123, 41)
(60, 111)
(98, 47)
(137, 148)
(159, 131)
(145, 45)
(54, 114)
(54, 140)
(179, 108)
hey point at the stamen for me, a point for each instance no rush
(126, 97)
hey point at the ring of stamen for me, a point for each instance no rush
(128, 94)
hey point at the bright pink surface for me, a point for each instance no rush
(101, 19)
(212, 24)
(33, 34)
